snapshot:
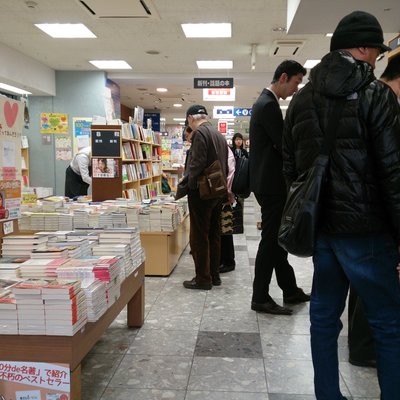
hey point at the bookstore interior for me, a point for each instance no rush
(69, 266)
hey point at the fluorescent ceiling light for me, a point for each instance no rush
(162, 119)
(181, 123)
(329, 35)
(110, 64)
(221, 30)
(179, 119)
(66, 30)
(177, 105)
(13, 89)
(161, 89)
(214, 64)
(311, 63)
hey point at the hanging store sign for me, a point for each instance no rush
(223, 112)
(242, 112)
(219, 94)
(212, 83)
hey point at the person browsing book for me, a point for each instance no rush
(78, 174)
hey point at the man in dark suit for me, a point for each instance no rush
(268, 185)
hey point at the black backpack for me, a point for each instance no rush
(241, 179)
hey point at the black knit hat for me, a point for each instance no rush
(358, 29)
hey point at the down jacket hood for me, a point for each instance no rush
(339, 75)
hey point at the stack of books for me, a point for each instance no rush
(81, 219)
(95, 292)
(37, 221)
(64, 307)
(169, 217)
(66, 222)
(22, 245)
(9, 267)
(51, 204)
(50, 252)
(30, 306)
(8, 314)
(41, 268)
(155, 218)
(114, 249)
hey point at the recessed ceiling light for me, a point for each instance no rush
(311, 63)
(221, 30)
(162, 119)
(329, 35)
(179, 119)
(110, 64)
(161, 89)
(214, 64)
(177, 105)
(66, 30)
(13, 89)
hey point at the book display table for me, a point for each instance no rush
(163, 249)
(72, 349)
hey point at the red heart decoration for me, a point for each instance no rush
(10, 112)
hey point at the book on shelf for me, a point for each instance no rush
(24, 142)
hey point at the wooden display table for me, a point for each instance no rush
(163, 249)
(72, 349)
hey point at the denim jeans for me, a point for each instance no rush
(369, 264)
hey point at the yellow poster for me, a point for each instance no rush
(53, 123)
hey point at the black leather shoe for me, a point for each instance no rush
(298, 297)
(226, 268)
(270, 307)
(363, 363)
(216, 281)
(194, 285)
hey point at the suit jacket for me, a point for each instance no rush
(265, 161)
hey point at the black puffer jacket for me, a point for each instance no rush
(362, 195)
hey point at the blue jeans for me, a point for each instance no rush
(369, 264)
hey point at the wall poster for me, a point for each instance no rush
(105, 167)
(81, 133)
(53, 123)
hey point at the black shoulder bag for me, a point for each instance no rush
(299, 223)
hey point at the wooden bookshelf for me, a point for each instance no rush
(25, 163)
(72, 349)
(141, 162)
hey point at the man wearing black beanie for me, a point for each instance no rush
(358, 235)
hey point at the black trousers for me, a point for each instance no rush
(227, 251)
(205, 238)
(360, 339)
(270, 256)
(74, 184)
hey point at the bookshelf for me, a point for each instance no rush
(24, 161)
(141, 162)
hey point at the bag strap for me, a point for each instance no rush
(330, 134)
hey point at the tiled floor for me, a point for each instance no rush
(197, 345)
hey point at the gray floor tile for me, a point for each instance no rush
(92, 392)
(116, 339)
(152, 372)
(286, 324)
(201, 395)
(164, 342)
(228, 344)
(98, 369)
(228, 320)
(286, 347)
(142, 394)
(227, 374)
(280, 396)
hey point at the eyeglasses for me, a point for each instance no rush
(380, 57)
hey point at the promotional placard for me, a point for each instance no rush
(34, 381)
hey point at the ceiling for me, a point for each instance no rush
(126, 31)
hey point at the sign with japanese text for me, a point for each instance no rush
(10, 199)
(53, 123)
(106, 143)
(11, 123)
(219, 94)
(213, 83)
(34, 381)
(242, 112)
(223, 126)
(81, 134)
(223, 112)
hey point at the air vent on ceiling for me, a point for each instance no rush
(286, 48)
(120, 8)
